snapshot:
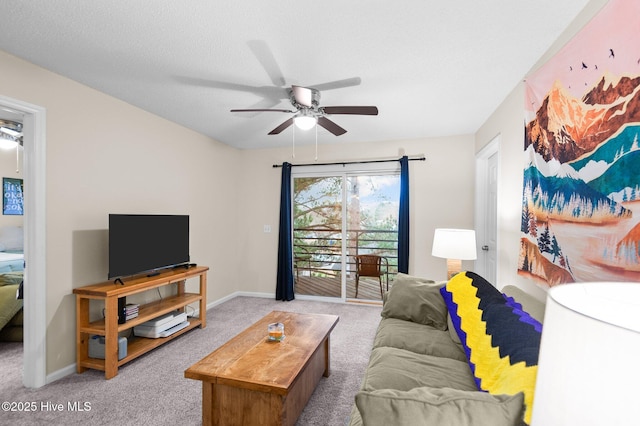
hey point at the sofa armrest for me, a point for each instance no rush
(530, 304)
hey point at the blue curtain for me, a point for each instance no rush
(284, 283)
(403, 217)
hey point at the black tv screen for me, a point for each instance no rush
(140, 243)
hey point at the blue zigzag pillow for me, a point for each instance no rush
(501, 340)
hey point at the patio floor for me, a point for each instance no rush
(368, 289)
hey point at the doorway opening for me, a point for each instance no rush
(34, 165)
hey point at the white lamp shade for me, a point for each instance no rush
(454, 244)
(588, 372)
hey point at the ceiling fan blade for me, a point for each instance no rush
(265, 56)
(355, 110)
(260, 105)
(194, 81)
(331, 126)
(281, 127)
(303, 95)
(338, 84)
(269, 93)
(261, 110)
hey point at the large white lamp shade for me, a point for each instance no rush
(455, 245)
(588, 368)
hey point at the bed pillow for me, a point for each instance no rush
(438, 406)
(502, 342)
(10, 278)
(416, 299)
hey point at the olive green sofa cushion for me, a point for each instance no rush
(417, 300)
(441, 407)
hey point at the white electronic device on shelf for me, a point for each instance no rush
(170, 331)
(162, 326)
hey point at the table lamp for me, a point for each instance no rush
(455, 245)
(588, 370)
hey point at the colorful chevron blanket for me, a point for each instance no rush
(501, 340)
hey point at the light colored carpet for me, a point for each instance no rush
(152, 390)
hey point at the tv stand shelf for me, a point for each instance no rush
(109, 292)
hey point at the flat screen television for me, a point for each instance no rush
(142, 243)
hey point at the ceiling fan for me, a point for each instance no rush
(308, 112)
(11, 131)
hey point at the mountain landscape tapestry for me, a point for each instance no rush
(581, 198)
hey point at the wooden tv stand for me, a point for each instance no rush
(109, 292)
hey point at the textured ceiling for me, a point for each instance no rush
(433, 68)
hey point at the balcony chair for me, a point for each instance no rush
(370, 265)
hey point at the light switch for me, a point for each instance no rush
(267, 229)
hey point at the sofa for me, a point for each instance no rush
(458, 353)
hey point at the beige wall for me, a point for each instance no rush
(106, 156)
(507, 121)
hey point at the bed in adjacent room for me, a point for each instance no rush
(11, 276)
(11, 261)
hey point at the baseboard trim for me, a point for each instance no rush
(255, 294)
(59, 374)
(319, 298)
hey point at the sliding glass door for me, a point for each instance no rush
(372, 234)
(339, 222)
(317, 235)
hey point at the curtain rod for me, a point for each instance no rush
(422, 158)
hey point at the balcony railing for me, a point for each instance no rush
(318, 252)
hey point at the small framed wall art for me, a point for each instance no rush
(12, 196)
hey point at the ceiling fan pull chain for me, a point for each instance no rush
(316, 126)
(293, 145)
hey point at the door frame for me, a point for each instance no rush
(34, 368)
(482, 187)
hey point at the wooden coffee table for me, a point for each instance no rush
(253, 381)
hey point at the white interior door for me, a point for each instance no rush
(487, 175)
(490, 244)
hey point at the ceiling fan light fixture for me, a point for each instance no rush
(10, 132)
(305, 122)
(7, 144)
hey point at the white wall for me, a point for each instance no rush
(106, 156)
(508, 121)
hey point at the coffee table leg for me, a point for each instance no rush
(327, 358)
(207, 403)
